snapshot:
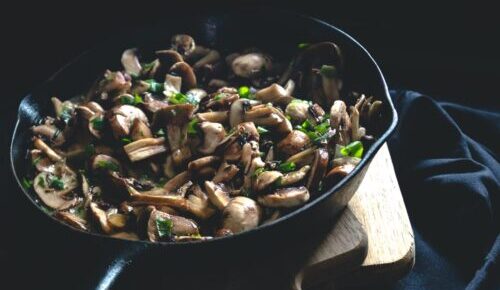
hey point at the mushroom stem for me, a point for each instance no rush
(144, 148)
(39, 144)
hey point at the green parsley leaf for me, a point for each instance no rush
(244, 92)
(41, 181)
(164, 227)
(354, 149)
(97, 123)
(108, 165)
(126, 100)
(287, 167)
(160, 133)
(219, 96)
(36, 160)
(126, 140)
(262, 130)
(192, 127)
(155, 87)
(258, 171)
(56, 183)
(303, 45)
(328, 71)
(27, 183)
(138, 99)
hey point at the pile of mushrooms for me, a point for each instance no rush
(193, 145)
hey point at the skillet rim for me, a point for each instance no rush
(308, 206)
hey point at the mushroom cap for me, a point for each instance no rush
(122, 118)
(183, 43)
(238, 109)
(250, 65)
(181, 226)
(318, 169)
(56, 198)
(337, 173)
(241, 214)
(298, 110)
(285, 197)
(185, 71)
(217, 194)
(213, 133)
(273, 94)
(106, 163)
(266, 179)
(130, 61)
(293, 143)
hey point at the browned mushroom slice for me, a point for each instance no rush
(238, 109)
(298, 110)
(50, 132)
(217, 194)
(144, 148)
(251, 65)
(41, 162)
(140, 130)
(275, 94)
(113, 84)
(183, 43)
(103, 162)
(174, 183)
(130, 62)
(223, 98)
(294, 176)
(337, 174)
(241, 214)
(117, 221)
(122, 117)
(152, 105)
(215, 116)
(126, 236)
(42, 146)
(337, 111)
(184, 70)
(199, 204)
(269, 116)
(213, 133)
(154, 198)
(303, 158)
(163, 226)
(285, 197)
(53, 189)
(357, 132)
(293, 143)
(331, 83)
(265, 179)
(225, 173)
(101, 218)
(71, 219)
(318, 169)
(202, 162)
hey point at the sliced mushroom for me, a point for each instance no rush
(183, 43)
(199, 204)
(113, 84)
(174, 183)
(202, 162)
(298, 110)
(275, 94)
(295, 176)
(156, 198)
(102, 162)
(238, 109)
(172, 85)
(213, 116)
(50, 132)
(130, 62)
(180, 226)
(51, 154)
(318, 169)
(213, 133)
(223, 98)
(304, 157)
(269, 116)
(241, 214)
(217, 194)
(184, 70)
(265, 179)
(293, 143)
(126, 236)
(331, 83)
(357, 132)
(144, 148)
(251, 65)
(72, 220)
(53, 189)
(285, 197)
(42, 163)
(168, 167)
(140, 130)
(337, 173)
(225, 173)
(122, 117)
(101, 218)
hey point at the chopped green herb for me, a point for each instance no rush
(354, 149)
(108, 165)
(155, 87)
(180, 98)
(303, 45)
(41, 181)
(322, 128)
(192, 127)
(89, 150)
(97, 123)
(148, 66)
(164, 227)
(160, 133)
(244, 92)
(27, 183)
(219, 96)
(262, 130)
(328, 71)
(258, 171)
(56, 183)
(288, 117)
(287, 167)
(126, 100)
(126, 140)
(36, 160)
(138, 99)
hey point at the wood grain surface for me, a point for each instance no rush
(377, 213)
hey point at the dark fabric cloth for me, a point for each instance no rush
(447, 162)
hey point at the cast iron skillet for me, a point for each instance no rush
(277, 32)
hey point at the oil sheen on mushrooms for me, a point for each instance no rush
(191, 144)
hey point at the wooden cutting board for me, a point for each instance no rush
(372, 242)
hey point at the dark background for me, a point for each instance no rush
(446, 51)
